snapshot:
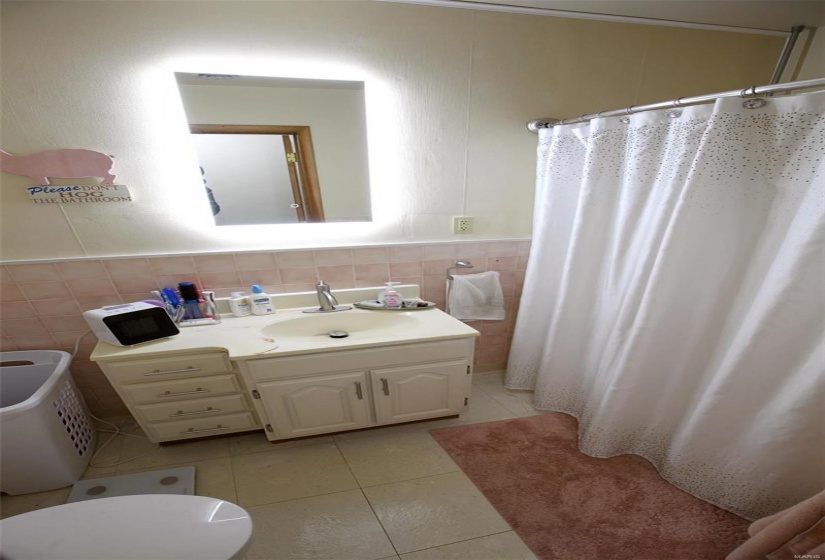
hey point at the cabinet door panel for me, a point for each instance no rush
(301, 407)
(410, 393)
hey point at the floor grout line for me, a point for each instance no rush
(375, 513)
(278, 448)
(413, 479)
(301, 498)
(504, 404)
(510, 530)
(359, 487)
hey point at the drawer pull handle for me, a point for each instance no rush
(184, 370)
(208, 410)
(219, 428)
(195, 392)
(385, 386)
(358, 391)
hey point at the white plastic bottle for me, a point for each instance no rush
(382, 295)
(392, 300)
(239, 304)
(261, 304)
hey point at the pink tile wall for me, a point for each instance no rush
(41, 304)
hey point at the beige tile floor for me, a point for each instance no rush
(385, 493)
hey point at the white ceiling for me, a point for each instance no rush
(778, 15)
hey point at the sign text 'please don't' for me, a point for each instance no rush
(78, 194)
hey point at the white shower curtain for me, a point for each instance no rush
(673, 300)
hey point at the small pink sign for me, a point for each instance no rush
(65, 164)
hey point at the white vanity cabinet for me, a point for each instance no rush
(182, 396)
(302, 395)
(283, 373)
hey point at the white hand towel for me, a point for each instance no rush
(477, 297)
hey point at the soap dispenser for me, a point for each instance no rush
(239, 304)
(382, 295)
(392, 299)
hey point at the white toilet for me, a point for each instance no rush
(145, 527)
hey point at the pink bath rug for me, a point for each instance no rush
(565, 504)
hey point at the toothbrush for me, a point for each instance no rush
(169, 296)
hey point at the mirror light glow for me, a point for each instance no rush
(174, 155)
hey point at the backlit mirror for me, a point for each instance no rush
(279, 150)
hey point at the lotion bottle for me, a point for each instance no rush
(239, 304)
(261, 304)
(392, 300)
(382, 295)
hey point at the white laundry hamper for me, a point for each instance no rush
(46, 437)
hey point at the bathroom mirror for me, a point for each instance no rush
(279, 150)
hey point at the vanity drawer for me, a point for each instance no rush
(200, 427)
(173, 367)
(191, 409)
(181, 389)
(361, 359)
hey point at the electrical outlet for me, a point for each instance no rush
(462, 224)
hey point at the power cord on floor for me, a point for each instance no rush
(77, 342)
(117, 430)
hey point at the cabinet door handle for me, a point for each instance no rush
(167, 372)
(385, 386)
(208, 410)
(217, 429)
(358, 391)
(195, 392)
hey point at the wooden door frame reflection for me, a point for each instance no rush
(303, 173)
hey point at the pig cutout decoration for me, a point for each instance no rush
(68, 164)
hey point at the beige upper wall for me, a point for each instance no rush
(448, 95)
(813, 65)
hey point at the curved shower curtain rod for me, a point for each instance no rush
(536, 124)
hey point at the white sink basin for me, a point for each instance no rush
(362, 325)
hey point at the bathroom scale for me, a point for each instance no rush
(180, 480)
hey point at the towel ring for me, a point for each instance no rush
(458, 265)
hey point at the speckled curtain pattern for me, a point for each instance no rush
(674, 295)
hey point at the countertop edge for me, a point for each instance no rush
(242, 341)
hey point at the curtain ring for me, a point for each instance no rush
(746, 93)
(629, 110)
(677, 102)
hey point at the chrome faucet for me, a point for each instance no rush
(326, 301)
